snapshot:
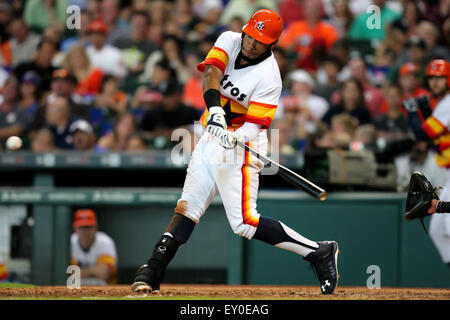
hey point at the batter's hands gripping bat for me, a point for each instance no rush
(290, 176)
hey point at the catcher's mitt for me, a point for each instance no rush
(420, 194)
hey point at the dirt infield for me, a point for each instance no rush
(170, 291)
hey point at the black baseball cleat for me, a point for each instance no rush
(144, 282)
(149, 276)
(324, 263)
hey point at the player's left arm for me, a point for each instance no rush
(261, 111)
(101, 271)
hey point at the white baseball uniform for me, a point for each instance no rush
(249, 94)
(437, 127)
(102, 251)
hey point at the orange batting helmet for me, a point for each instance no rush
(439, 68)
(265, 26)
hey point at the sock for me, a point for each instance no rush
(180, 228)
(275, 233)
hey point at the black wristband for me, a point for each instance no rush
(212, 98)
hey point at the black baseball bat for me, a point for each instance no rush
(290, 176)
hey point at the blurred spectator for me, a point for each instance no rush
(89, 79)
(352, 103)
(159, 11)
(82, 135)
(40, 14)
(321, 139)
(236, 24)
(362, 27)
(117, 27)
(397, 37)
(429, 33)
(41, 63)
(3, 270)
(416, 53)
(58, 120)
(150, 94)
(29, 93)
(108, 105)
(136, 48)
(136, 144)
(210, 13)
(342, 17)
(373, 96)
(64, 85)
(6, 15)
(93, 9)
(170, 114)
(308, 108)
(291, 11)
(330, 68)
(92, 250)
(412, 16)
(286, 137)
(420, 158)
(365, 138)
(436, 11)
(410, 81)
(343, 128)
(309, 38)
(340, 49)
(102, 55)
(193, 89)
(392, 125)
(172, 52)
(282, 58)
(23, 43)
(13, 118)
(117, 140)
(43, 141)
(183, 20)
(53, 34)
(244, 9)
(206, 44)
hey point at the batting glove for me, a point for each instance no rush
(228, 139)
(216, 120)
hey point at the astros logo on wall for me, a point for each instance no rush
(260, 25)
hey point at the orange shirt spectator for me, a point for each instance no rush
(91, 84)
(193, 94)
(309, 37)
(303, 38)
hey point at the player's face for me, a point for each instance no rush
(438, 85)
(252, 48)
(86, 235)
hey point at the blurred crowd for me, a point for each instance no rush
(121, 74)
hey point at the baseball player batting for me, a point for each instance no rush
(242, 87)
